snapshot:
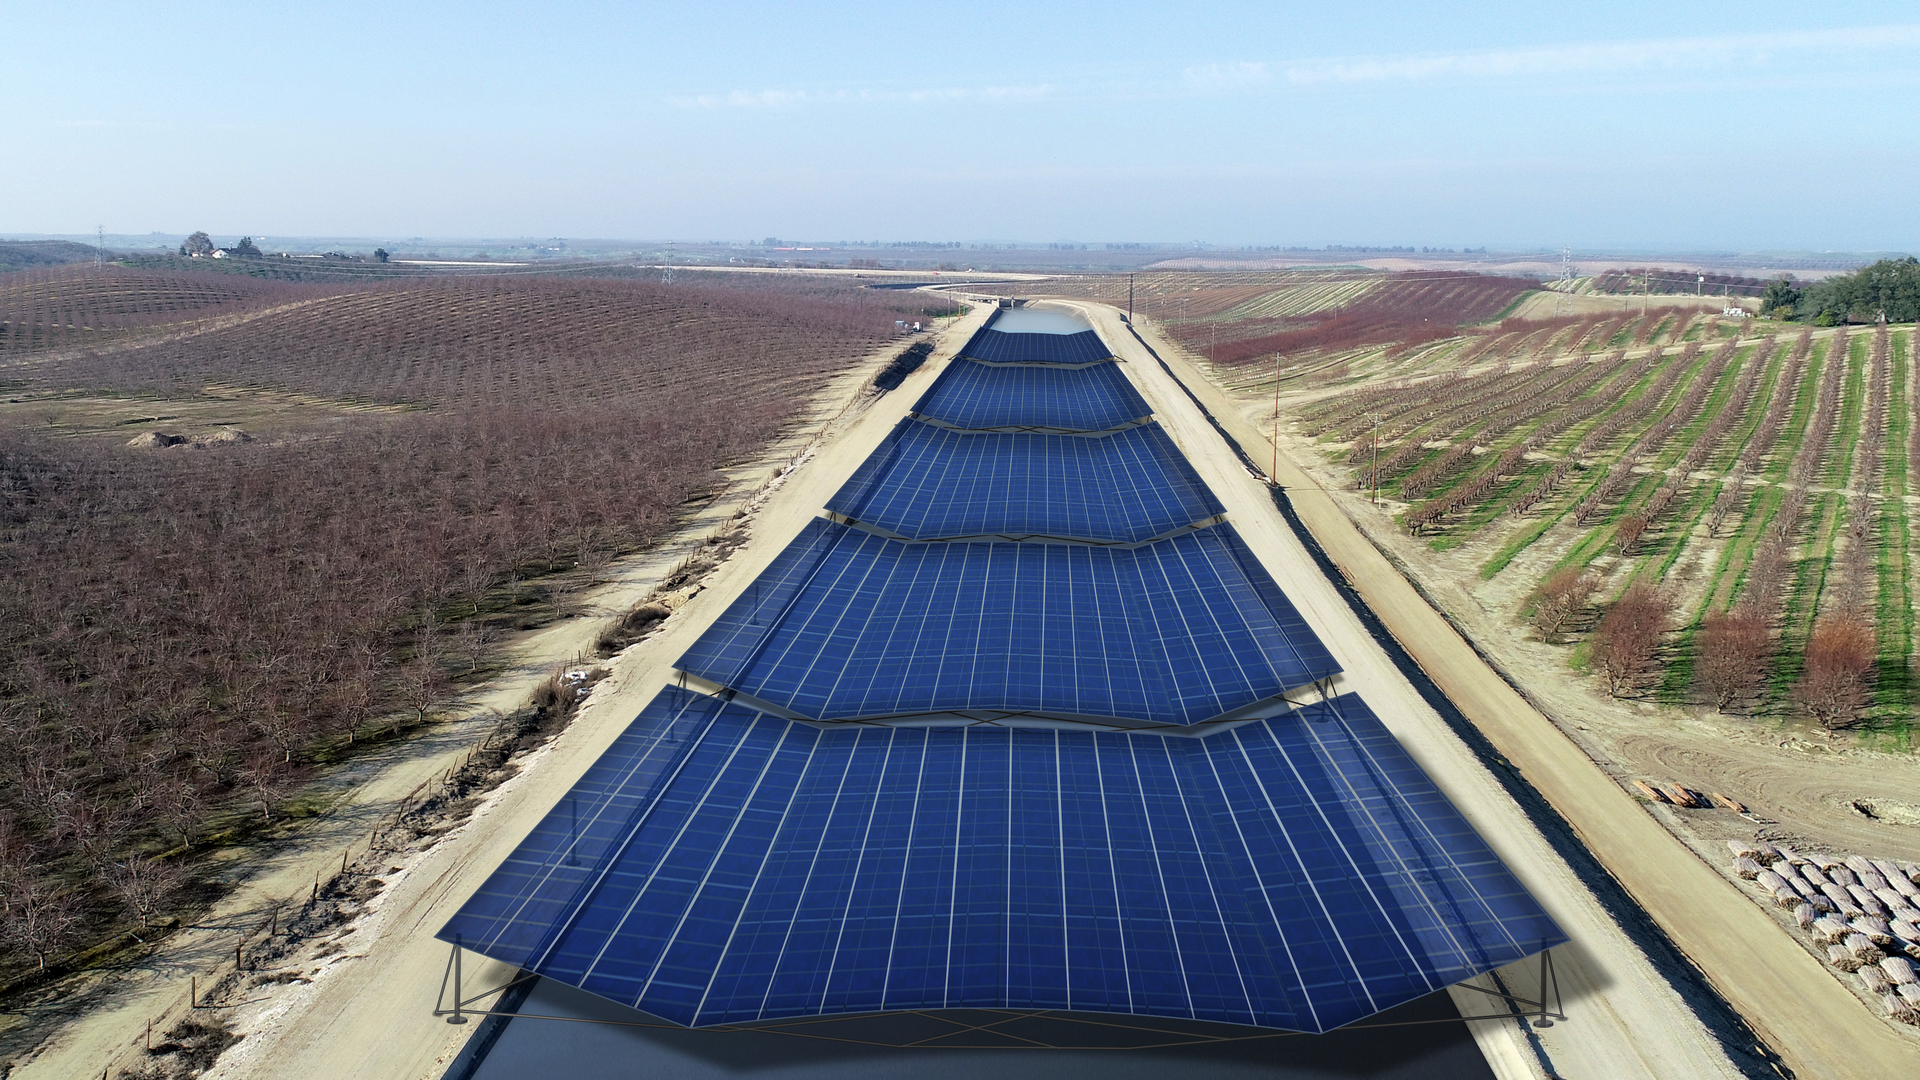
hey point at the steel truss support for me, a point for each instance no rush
(460, 1012)
(1543, 1012)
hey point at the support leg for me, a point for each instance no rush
(456, 1018)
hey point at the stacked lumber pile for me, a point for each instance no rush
(1862, 914)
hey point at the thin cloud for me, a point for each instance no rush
(1749, 50)
(778, 99)
(1228, 78)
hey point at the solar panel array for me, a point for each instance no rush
(848, 625)
(1007, 727)
(932, 483)
(722, 866)
(998, 347)
(987, 397)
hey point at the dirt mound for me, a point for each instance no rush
(223, 437)
(155, 440)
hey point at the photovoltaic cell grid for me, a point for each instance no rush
(929, 483)
(996, 347)
(721, 866)
(984, 396)
(848, 625)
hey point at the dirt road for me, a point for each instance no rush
(1816, 1026)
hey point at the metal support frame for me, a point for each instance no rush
(1543, 1013)
(460, 1013)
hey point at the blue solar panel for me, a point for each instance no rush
(983, 396)
(846, 624)
(722, 866)
(928, 483)
(996, 347)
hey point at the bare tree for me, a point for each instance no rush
(472, 641)
(1730, 661)
(1626, 644)
(39, 918)
(1833, 684)
(1560, 599)
(144, 883)
(267, 778)
(181, 807)
(1731, 492)
(421, 681)
(1628, 533)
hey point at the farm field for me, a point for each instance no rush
(1752, 479)
(251, 529)
(1740, 472)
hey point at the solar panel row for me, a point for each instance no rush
(979, 397)
(719, 865)
(848, 625)
(997, 347)
(929, 483)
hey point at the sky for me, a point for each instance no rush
(1621, 126)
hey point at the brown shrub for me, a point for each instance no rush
(1626, 644)
(1560, 599)
(1833, 684)
(1730, 661)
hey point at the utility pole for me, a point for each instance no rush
(1374, 445)
(1129, 299)
(1273, 477)
(1566, 279)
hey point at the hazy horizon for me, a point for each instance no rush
(1637, 128)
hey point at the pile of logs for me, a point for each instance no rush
(1864, 913)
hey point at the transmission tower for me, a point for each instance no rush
(100, 247)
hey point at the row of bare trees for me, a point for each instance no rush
(85, 305)
(1835, 681)
(1735, 650)
(1634, 526)
(1620, 473)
